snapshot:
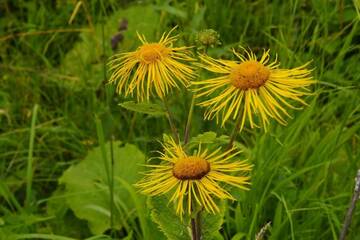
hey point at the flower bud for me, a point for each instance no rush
(208, 38)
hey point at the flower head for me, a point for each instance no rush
(251, 87)
(153, 66)
(194, 178)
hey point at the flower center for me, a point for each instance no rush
(192, 168)
(152, 52)
(249, 74)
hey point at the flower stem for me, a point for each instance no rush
(171, 120)
(234, 132)
(193, 229)
(188, 123)
(196, 226)
(195, 221)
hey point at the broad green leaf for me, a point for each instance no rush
(56, 206)
(169, 223)
(211, 223)
(87, 191)
(148, 108)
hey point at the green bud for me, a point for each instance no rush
(208, 38)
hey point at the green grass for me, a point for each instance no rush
(55, 106)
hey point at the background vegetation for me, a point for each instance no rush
(58, 115)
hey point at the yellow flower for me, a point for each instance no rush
(194, 178)
(153, 66)
(251, 87)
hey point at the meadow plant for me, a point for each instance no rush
(249, 90)
(84, 159)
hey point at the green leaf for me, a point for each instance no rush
(211, 223)
(209, 138)
(87, 191)
(206, 137)
(99, 237)
(169, 223)
(147, 108)
(217, 236)
(239, 236)
(213, 140)
(128, 237)
(42, 236)
(56, 206)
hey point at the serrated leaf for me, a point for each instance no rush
(147, 108)
(169, 223)
(174, 229)
(87, 191)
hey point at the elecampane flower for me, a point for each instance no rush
(152, 67)
(195, 178)
(251, 87)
